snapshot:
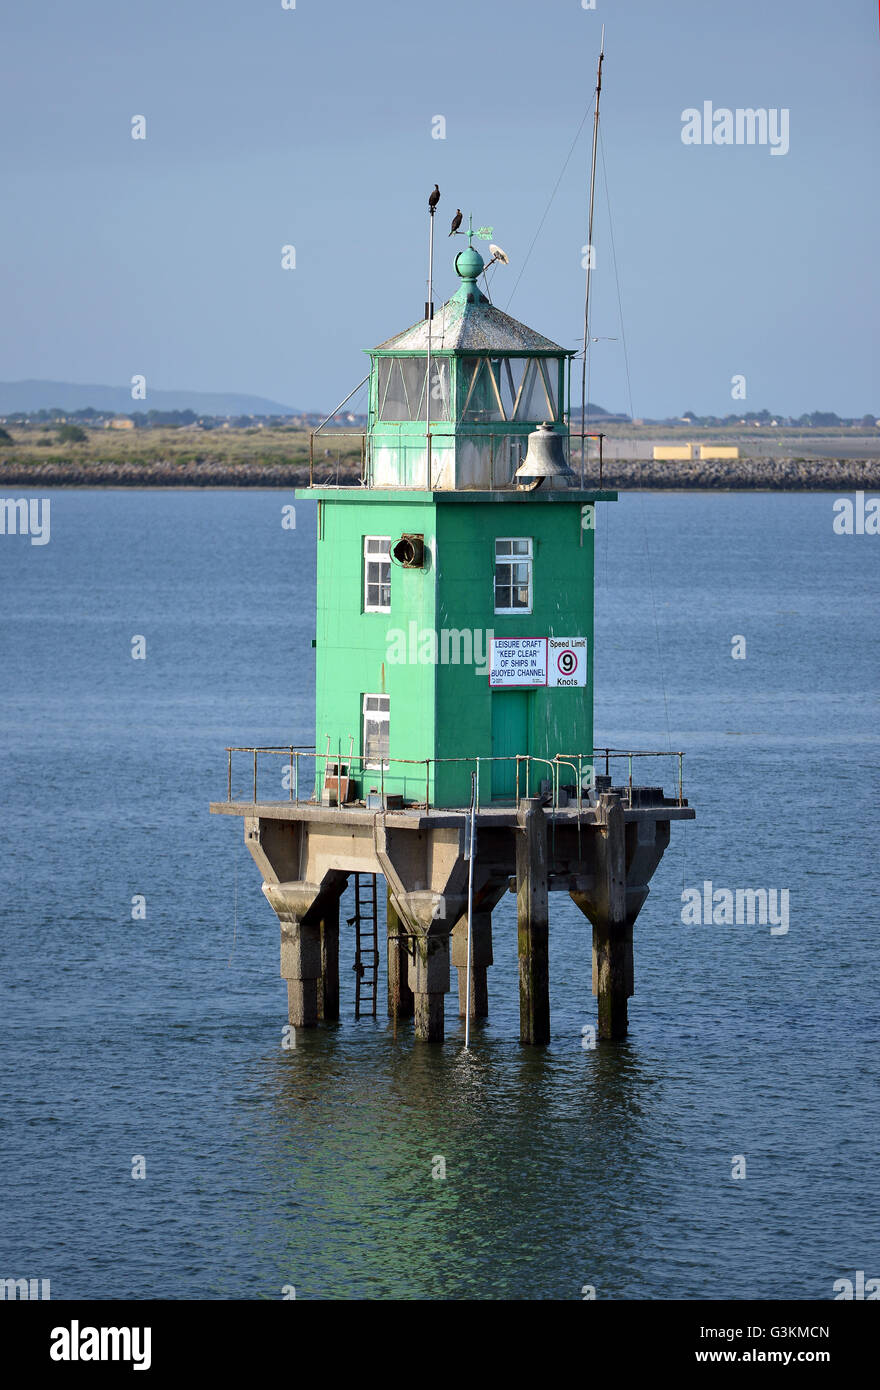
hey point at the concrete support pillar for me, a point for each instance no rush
(301, 968)
(430, 1021)
(612, 935)
(328, 992)
(309, 917)
(479, 992)
(481, 959)
(429, 981)
(606, 907)
(400, 996)
(532, 923)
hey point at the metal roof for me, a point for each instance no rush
(469, 323)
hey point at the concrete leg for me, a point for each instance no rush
(533, 924)
(429, 981)
(301, 968)
(399, 992)
(479, 992)
(481, 958)
(612, 939)
(606, 908)
(309, 917)
(302, 1003)
(430, 1022)
(612, 962)
(328, 993)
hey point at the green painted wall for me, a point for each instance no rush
(352, 645)
(559, 720)
(437, 709)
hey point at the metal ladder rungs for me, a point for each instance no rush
(366, 960)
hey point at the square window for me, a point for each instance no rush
(513, 575)
(375, 732)
(377, 574)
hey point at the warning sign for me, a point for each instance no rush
(518, 661)
(566, 661)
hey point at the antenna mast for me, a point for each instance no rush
(590, 254)
(429, 314)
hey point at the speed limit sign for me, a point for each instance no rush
(566, 661)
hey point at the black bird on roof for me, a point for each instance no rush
(456, 222)
(434, 199)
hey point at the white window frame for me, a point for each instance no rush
(526, 558)
(380, 715)
(376, 557)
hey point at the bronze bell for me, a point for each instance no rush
(545, 458)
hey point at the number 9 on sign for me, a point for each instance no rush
(567, 664)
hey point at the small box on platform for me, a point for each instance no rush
(338, 785)
(390, 802)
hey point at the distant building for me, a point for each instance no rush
(719, 451)
(677, 452)
(121, 422)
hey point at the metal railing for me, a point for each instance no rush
(581, 434)
(629, 754)
(492, 469)
(333, 435)
(414, 782)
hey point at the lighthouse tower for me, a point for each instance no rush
(455, 587)
(454, 692)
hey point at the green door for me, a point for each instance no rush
(510, 735)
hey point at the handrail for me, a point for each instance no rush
(630, 753)
(560, 761)
(362, 435)
(581, 764)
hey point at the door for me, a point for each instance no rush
(510, 735)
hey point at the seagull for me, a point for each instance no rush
(456, 222)
(434, 199)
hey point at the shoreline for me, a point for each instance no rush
(749, 475)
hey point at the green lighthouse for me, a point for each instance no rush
(455, 585)
(454, 754)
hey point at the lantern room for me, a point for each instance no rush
(492, 382)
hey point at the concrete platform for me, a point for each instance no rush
(603, 855)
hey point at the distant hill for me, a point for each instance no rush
(597, 413)
(68, 396)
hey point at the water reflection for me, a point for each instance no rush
(538, 1148)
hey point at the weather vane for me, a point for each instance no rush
(484, 233)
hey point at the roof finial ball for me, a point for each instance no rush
(469, 263)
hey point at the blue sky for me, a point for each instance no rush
(313, 127)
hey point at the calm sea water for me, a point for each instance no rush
(312, 1168)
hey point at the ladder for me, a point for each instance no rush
(366, 957)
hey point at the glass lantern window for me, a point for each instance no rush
(401, 388)
(509, 388)
(482, 396)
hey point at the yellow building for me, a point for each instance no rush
(719, 451)
(673, 451)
